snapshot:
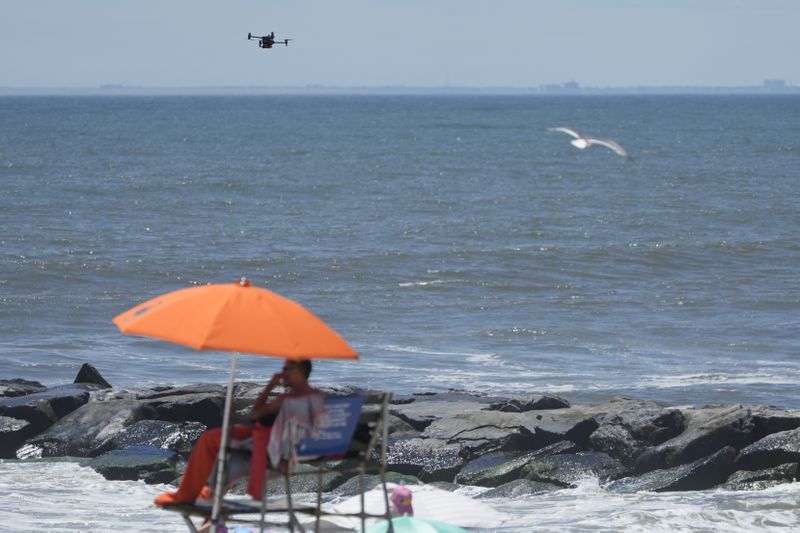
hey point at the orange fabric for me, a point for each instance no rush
(258, 461)
(235, 317)
(200, 464)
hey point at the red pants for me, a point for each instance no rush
(201, 462)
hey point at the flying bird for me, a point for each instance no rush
(581, 141)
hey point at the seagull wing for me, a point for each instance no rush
(568, 131)
(608, 143)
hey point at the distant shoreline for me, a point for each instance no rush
(321, 90)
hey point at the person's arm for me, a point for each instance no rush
(263, 405)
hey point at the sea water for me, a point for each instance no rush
(452, 240)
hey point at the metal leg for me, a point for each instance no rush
(319, 500)
(293, 521)
(223, 445)
(361, 494)
(189, 523)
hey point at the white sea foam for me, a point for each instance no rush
(717, 378)
(424, 283)
(62, 496)
(591, 508)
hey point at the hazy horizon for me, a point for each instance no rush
(414, 43)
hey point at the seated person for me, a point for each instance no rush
(294, 378)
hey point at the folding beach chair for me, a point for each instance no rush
(345, 440)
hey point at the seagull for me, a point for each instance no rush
(581, 141)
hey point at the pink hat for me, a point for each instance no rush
(401, 501)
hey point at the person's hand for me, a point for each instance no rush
(276, 380)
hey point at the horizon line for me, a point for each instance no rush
(571, 88)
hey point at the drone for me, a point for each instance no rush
(266, 41)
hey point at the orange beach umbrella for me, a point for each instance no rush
(238, 318)
(235, 317)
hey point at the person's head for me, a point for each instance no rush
(296, 373)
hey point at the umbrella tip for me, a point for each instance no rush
(243, 282)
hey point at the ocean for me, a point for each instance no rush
(452, 240)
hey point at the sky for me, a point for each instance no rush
(414, 43)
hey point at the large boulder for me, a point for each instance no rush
(568, 470)
(547, 426)
(770, 420)
(497, 469)
(529, 403)
(475, 472)
(420, 414)
(772, 450)
(89, 374)
(199, 403)
(19, 387)
(702, 474)
(149, 463)
(42, 409)
(481, 432)
(13, 433)
(632, 426)
(88, 431)
(426, 459)
(179, 438)
(707, 430)
(762, 479)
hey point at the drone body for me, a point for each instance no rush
(267, 41)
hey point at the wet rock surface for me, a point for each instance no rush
(19, 387)
(149, 463)
(512, 446)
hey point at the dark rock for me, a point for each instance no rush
(397, 426)
(761, 479)
(518, 488)
(89, 374)
(88, 431)
(481, 432)
(426, 459)
(575, 424)
(19, 387)
(42, 409)
(420, 414)
(772, 450)
(707, 430)
(702, 474)
(567, 470)
(561, 447)
(179, 438)
(180, 405)
(769, 420)
(529, 403)
(151, 464)
(185, 390)
(484, 463)
(13, 433)
(402, 399)
(498, 468)
(494, 476)
(633, 426)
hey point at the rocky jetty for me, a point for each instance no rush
(512, 445)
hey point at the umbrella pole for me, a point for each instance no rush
(223, 448)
